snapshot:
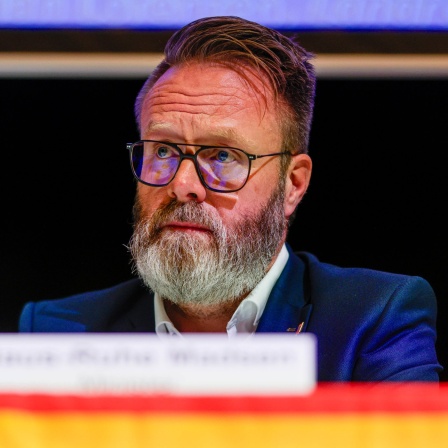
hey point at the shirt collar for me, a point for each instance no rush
(246, 317)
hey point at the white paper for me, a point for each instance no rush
(198, 364)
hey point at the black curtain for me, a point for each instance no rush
(377, 195)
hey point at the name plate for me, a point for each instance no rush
(197, 364)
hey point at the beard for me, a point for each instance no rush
(211, 268)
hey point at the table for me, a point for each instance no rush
(333, 415)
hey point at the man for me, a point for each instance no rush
(221, 167)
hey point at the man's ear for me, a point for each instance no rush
(297, 181)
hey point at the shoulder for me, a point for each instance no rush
(355, 299)
(371, 325)
(99, 310)
(113, 295)
(330, 279)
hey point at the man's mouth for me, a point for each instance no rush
(184, 227)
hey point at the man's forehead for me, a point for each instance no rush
(214, 79)
(206, 108)
(208, 134)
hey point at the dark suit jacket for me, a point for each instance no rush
(370, 325)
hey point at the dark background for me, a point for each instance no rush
(377, 197)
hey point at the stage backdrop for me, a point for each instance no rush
(377, 196)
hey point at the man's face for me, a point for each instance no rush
(192, 245)
(211, 105)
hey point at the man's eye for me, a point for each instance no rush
(163, 152)
(224, 156)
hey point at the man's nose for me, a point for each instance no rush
(186, 185)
